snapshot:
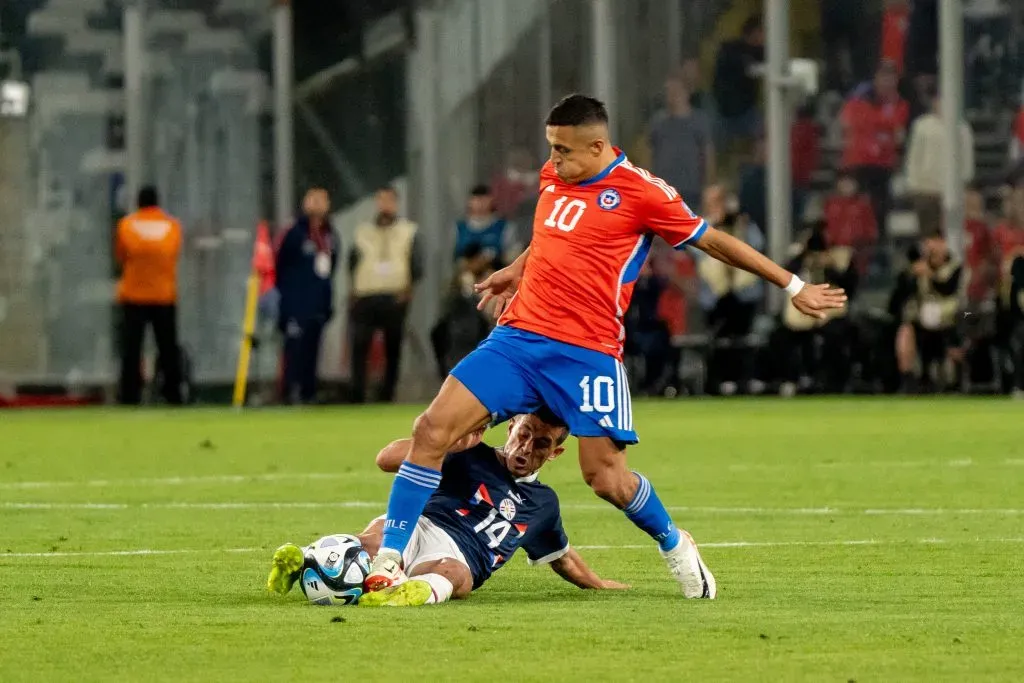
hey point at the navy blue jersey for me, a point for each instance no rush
(490, 514)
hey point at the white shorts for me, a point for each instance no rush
(429, 543)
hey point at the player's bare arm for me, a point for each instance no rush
(573, 569)
(812, 300)
(501, 286)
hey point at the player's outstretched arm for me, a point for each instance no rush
(812, 300)
(573, 569)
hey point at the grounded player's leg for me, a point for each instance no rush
(454, 413)
(603, 463)
(430, 583)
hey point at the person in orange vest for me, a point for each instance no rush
(146, 247)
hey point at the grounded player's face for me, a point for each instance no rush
(576, 151)
(530, 444)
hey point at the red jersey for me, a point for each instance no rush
(589, 242)
(873, 130)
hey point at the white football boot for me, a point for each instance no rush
(686, 565)
(385, 572)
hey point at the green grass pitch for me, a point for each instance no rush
(853, 540)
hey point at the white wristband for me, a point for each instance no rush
(794, 286)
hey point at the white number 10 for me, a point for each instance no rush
(604, 395)
(565, 222)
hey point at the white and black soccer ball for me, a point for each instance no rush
(334, 570)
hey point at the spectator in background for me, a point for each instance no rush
(385, 264)
(736, 85)
(850, 220)
(516, 187)
(926, 342)
(753, 186)
(647, 335)
(147, 246)
(978, 248)
(895, 23)
(682, 150)
(690, 75)
(805, 146)
(844, 31)
(461, 326)
(730, 297)
(306, 262)
(1008, 237)
(927, 157)
(801, 335)
(483, 228)
(1017, 142)
(874, 121)
(1013, 304)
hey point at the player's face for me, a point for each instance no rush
(575, 151)
(530, 444)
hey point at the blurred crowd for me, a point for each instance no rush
(868, 161)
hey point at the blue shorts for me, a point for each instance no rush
(514, 371)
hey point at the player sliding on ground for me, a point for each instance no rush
(559, 338)
(488, 504)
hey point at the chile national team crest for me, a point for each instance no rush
(609, 199)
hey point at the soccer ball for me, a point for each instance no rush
(334, 570)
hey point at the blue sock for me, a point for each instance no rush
(410, 491)
(647, 512)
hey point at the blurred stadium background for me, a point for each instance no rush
(234, 107)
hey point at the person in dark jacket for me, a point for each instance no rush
(306, 262)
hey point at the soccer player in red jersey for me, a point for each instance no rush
(559, 337)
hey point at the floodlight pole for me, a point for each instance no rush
(603, 59)
(284, 115)
(780, 180)
(951, 49)
(134, 104)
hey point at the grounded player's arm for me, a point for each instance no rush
(812, 300)
(391, 456)
(573, 569)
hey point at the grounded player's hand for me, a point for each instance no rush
(614, 585)
(817, 300)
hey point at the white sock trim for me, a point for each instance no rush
(441, 587)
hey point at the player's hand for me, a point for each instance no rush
(499, 287)
(608, 584)
(817, 300)
(468, 441)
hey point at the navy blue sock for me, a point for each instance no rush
(647, 512)
(410, 491)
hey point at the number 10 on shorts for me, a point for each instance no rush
(598, 394)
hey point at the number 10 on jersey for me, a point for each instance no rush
(566, 216)
(599, 389)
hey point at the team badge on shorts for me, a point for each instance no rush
(609, 199)
(507, 509)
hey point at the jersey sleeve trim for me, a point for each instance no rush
(695, 235)
(550, 557)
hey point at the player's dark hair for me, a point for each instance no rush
(148, 197)
(548, 417)
(577, 110)
(480, 190)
